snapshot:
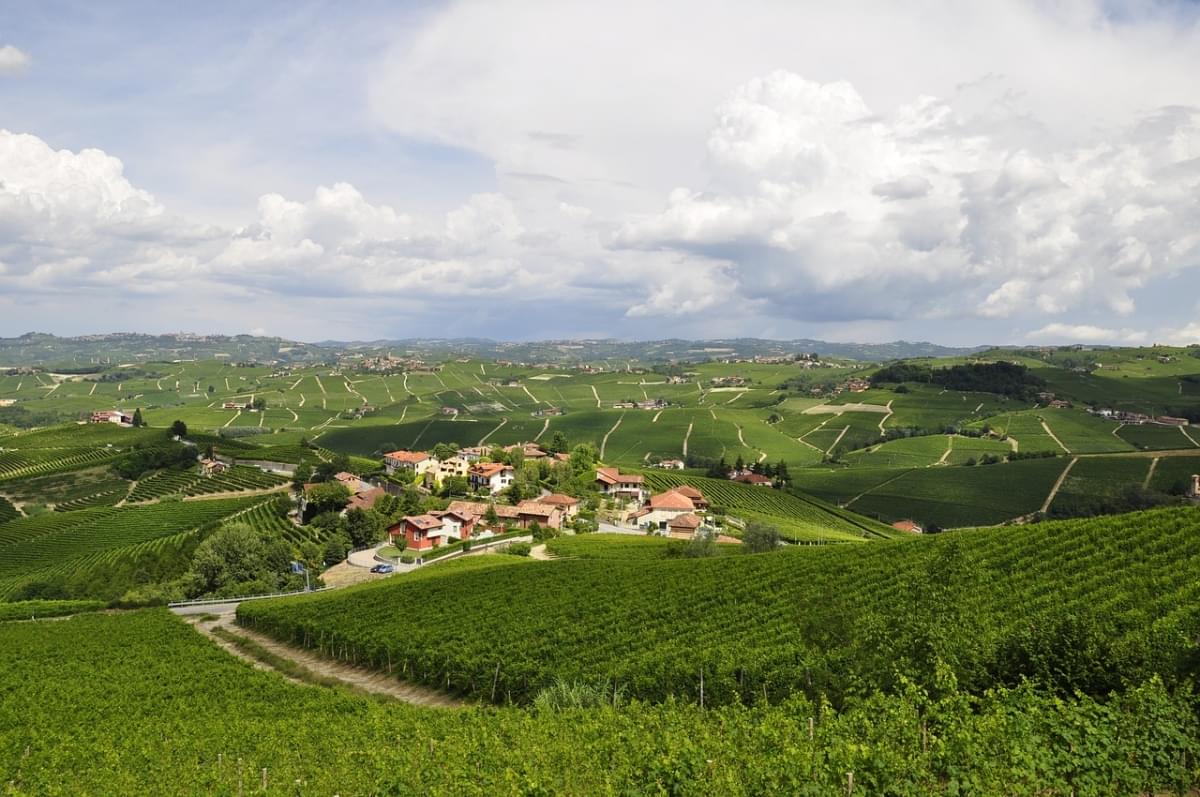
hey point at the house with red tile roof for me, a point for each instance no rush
(568, 504)
(910, 526)
(615, 484)
(755, 479)
(415, 461)
(494, 477)
(684, 526)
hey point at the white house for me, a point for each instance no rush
(494, 477)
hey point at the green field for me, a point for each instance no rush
(90, 700)
(825, 620)
(965, 496)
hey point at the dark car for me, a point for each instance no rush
(383, 569)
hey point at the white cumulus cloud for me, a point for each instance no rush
(12, 60)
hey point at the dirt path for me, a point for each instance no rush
(597, 395)
(871, 489)
(946, 453)
(1191, 439)
(1062, 477)
(539, 552)
(489, 434)
(1150, 473)
(1054, 437)
(320, 385)
(685, 439)
(234, 418)
(842, 434)
(545, 426)
(379, 683)
(604, 442)
(534, 398)
(884, 419)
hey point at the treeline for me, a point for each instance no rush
(1003, 379)
(141, 461)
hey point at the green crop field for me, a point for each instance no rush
(62, 543)
(1151, 437)
(825, 620)
(160, 679)
(963, 496)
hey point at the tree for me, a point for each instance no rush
(302, 475)
(781, 472)
(444, 451)
(364, 526)
(137, 418)
(211, 390)
(236, 559)
(327, 497)
(558, 443)
(455, 485)
(583, 458)
(739, 465)
(760, 537)
(491, 517)
(179, 428)
(259, 403)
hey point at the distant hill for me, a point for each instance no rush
(83, 351)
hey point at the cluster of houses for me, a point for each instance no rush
(678, 512)
(112, 416)
(464, 520)
(727, 381)
(648, 404)
(1136, 418)
(490, 477)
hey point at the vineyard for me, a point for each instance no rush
(622, 547)
(1076, 605)
(62, 543)
(800, 517)
(236, 730)
(191, 482)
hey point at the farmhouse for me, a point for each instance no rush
(431, 530)
(755, 479)
(684, 526)
(449, 411)
(548, 412)
(671, 464)
(1168, 420)
(857, 385)
(212, 467)
(491, 476)
(235, 405)
(416, 461)
(521, 516)
(1194, 490)
(911, 526)
(112, 416)
(615, 484)
(661, 509)
(568, 505)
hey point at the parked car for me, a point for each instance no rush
(383, 569)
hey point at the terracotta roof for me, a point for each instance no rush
(367, 499)
(689, 491)
(671, 500)
(413, 457)
(478, 509)
(558, 499)
(489, 469)
(536, 508)
(423, 522)
(907, 525)
(752, 478)
(685, 521)
(614, 476)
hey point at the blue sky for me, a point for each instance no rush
(963, 173)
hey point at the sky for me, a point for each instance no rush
(965, 173)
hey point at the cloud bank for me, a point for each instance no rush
(948, 171)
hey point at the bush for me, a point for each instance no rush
(760, 537)
(518, 549)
